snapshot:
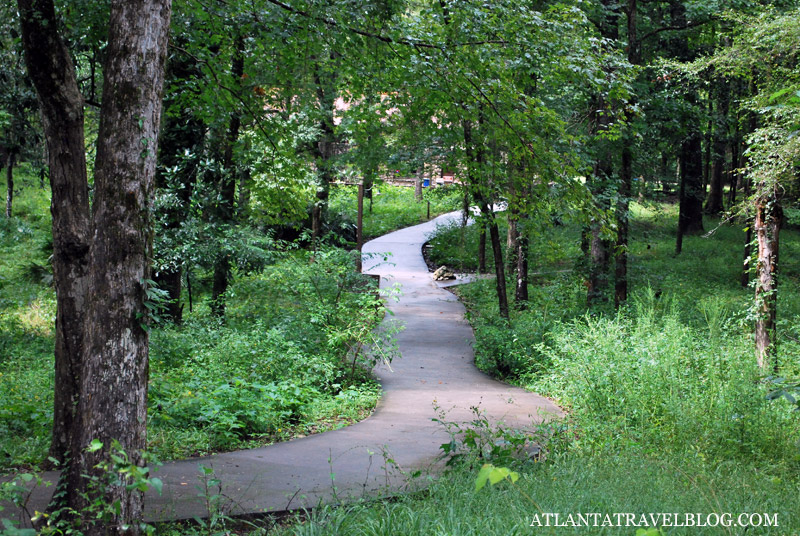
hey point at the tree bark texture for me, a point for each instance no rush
(61, 105)
(113, 401)
(768, 218)
(101, 343)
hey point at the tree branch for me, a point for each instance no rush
(383, 38)
(669, 28)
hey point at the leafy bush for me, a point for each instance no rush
(650, 380)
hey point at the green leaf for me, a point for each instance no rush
(94, 446)
(494, 475)
(157, 484)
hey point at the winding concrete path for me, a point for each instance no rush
(376, 455)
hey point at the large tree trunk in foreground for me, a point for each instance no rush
(113, 401)
(769, 215)
(111, 367)
(50, 68)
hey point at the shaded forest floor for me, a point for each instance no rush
(279, 367)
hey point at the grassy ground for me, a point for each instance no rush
(667, 412)
(393, 207)
(279, 368)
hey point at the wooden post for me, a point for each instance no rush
(360, 225)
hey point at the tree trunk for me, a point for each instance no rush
(474, 172)
(53, 75)
(114, 375)
(465, 209)
(499, 267)
(180, 135)
(418, 185)
(325, 81)
(769, 215)
(521, 291)
(714, 203)
(623, 206)
(226, 209)
(690, 212)
(10, 182)
(512, 236)
(482, 248)
(102, 357)
(626, 177)
(733, 172)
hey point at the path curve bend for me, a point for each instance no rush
(436, 369)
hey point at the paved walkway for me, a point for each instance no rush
(373, 456)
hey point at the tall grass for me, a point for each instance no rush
(666, 409)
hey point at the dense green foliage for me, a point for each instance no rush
(281, 366)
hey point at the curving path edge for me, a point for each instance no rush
(376, 455)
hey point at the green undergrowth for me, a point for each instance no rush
(291, 359)
(572, 484)
(393, 207)
(666, 410)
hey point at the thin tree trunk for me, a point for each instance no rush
(499, 266)
(475, 170)
(482, 248)
(180, 135)
(521, 290)
(623, 206)
(733, 172)
(10, 183)
(226, 210)
(690, 216)
(51, 70)
(714, 203)
(708, 143)
(418, 185)
(512, 235)
(769, 215)
(325, 81)
(465, 208)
